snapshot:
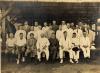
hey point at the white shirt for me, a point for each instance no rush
(64, 27)
(75, 42)
(85, 41)
(38, 34)
(42, 42)
(10, 42)
(70, 32)
(79, 33)
(91, 35)
(59, 34)
(20, 42)
(18, 33)
(45, 29)
(36, 28)
(65, 43)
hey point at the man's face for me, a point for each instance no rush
(72, 24)
(77, 26)
(45, 23)
(63, 22)
(42, 36)
(68, 25)
(11, 35)
(26, 23)
(74, 35)
(31, 35)
(21, 35)
(36, 23)
(54, 22)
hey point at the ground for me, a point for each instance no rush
(92, 67)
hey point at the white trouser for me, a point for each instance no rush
(75, 55)
(61, 53)
(86, 52)
(46, 51)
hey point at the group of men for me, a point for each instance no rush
(51, 41)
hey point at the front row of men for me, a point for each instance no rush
(50, 48)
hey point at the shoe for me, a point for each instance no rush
(61, 61)
(17, 61)
(23, 59)
(76, 61)
(71, 61)
(39, 60)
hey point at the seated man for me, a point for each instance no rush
(75, 47)
(21, 30)
(65, 46)
(31, 47)
(20, 45)
(42, 47)
(85, 46)
(10, 46)
(53, 48)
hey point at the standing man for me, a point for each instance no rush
(26, 26)
(53, 48)
(36, 26)
(45, 29)
(64, 26)
(42, 47)
(54, 26)
(65, 46)
(59, 33)
(20, 45)
(31, 31)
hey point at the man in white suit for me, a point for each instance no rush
(65, 46)
(42, 47)
(75, 47)
(85, 45)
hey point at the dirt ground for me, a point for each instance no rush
(92, 67)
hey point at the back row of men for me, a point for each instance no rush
(53, 41)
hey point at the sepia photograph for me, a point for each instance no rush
(50, 36)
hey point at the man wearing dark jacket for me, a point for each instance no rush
(53, 48)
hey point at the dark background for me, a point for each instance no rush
(48, 11)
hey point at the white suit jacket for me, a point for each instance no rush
(84, 41)
(42, 42)
(65, 43)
